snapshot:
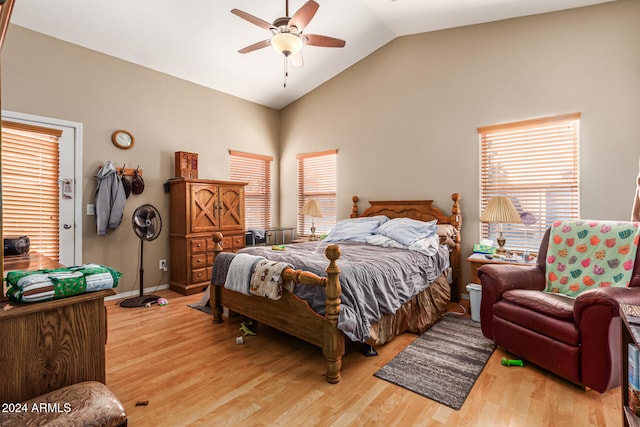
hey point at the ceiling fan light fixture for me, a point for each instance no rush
(287, 43)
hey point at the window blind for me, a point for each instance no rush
(256, 170)
(30, 186)
(535, 163)
(317, 180)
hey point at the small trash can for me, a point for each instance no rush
(475, 295)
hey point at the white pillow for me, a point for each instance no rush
(355, 229)
(385, 242)
(407, 230)
(427, 246)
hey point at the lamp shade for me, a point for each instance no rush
(287, 43)
(500, 209)
(312, 208)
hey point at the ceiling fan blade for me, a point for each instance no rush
(256, 21)
(296, 59)
(255, 46)
(303, 16)
(323, 41)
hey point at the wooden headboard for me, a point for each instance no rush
(422, 210)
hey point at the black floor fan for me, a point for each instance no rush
(147, 225)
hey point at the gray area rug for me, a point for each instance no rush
(443, 363)
(203, 308)
(202, 305)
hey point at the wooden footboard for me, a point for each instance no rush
(291, 314)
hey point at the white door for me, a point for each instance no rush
(69, 180)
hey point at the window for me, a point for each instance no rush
(317, 180)
(30, 188)
(256, 170)
(535, 163)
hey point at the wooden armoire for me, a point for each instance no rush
(200, 207)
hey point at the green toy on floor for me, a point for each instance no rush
(512, 362)
(244, 328)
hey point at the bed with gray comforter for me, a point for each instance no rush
(375, 281)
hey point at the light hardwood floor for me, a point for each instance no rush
(192, 372)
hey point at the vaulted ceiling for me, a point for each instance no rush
(198, 40)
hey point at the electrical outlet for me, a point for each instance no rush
(163, 265)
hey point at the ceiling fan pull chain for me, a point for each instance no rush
(286, 71)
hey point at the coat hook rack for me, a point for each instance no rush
(130, 171)
(127, 171)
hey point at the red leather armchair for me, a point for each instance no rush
(576, 339)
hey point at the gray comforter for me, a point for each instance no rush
(374, 280)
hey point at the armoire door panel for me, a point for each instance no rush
(204, 208)
(232, 204)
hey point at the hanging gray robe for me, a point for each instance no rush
(110, 199)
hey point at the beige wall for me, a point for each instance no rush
(51, 78)
(404, 119)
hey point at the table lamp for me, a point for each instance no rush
(312, 208)
(500, 210)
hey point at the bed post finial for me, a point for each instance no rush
(354, 208)
(333, 347)
(456, 218)
(217, 240)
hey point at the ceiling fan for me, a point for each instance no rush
(286, 33)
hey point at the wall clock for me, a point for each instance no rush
(122, 139)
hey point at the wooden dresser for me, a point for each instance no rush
(200, 207)
(48, 345)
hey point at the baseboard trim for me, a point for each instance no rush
(136, 293)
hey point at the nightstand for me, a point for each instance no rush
(478, 260)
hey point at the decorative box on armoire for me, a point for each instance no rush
(200, 207)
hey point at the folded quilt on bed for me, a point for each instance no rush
(240, 271)
(266, 280)
(44, 285)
